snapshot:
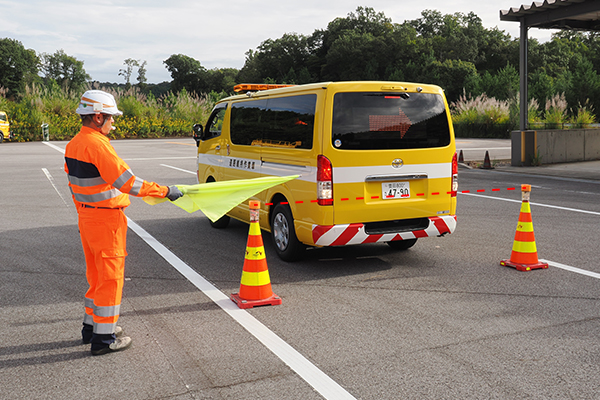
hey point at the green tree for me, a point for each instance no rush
(222, 79)
(274, 58)
(454, 76)
(501, 85)
(585, 84)
(365, 28)
(141, 78)
(18, 66)
(452, 36)
(540, 86)
(355, 56)
(126, 72)
(187, 73)
(66, 70)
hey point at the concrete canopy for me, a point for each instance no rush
(550, 14)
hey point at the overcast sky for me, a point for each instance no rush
(103, 33)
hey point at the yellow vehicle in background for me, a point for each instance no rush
(376, 161)
(4, 127)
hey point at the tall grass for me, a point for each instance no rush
(143, 115)
(584, 116)
(482, 116)
(556, 111)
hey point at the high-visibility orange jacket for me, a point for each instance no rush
(99, 177)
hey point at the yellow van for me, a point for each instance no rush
(377, 161)
(4, 127)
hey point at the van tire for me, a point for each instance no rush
(222, 222)
(402, 244)
(286, 243)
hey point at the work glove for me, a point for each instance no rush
(174, 193)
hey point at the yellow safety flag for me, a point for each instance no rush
(215, 199)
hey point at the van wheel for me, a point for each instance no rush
(222, 222)
(284, 235)
(402, 244)
(1, 137)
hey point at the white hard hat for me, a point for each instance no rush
(96, 102)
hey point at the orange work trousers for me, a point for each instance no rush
(103, 236)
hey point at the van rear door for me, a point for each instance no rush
(392, 156)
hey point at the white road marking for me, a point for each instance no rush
(322, 383)
(572, 269)
(51, 179)
(552, 263)
(54, 147)
(534, 204)
(178, 169)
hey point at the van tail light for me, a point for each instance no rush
(454, 175)
(324, 181)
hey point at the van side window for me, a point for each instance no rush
(247, 125)
(215, 122)
(279, 122)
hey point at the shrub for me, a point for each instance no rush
(143, 115)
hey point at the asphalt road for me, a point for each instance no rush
(442, 320)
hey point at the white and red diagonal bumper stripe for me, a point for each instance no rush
(341, 235)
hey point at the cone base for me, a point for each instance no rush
(243, 303)
(524, 267)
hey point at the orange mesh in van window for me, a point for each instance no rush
(386, 123)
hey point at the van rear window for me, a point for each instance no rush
(373, 121)
(286, 122)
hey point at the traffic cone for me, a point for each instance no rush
(524, 252)
(486, 161)
(461, 158)
(255, 287)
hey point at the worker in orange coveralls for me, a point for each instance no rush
(101, 182)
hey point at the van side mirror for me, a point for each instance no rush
(198, 133)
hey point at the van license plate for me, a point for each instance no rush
(395, 190)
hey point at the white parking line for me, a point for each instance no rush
(178, 169)
(534, 204)
(551, 263)
(51, 179)
(572, 269)
(322, 383)
(316, 378)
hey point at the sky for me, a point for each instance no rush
(104, 33)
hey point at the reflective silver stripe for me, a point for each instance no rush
(88, 319)
(122, 180)
(94, 198)
(109, 311)
(104, 329)
(86, 182)
(89, 303)
(137, 186)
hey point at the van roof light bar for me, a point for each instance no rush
(254, 87)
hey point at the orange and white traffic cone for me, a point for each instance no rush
(255, 287)
(524, 253)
